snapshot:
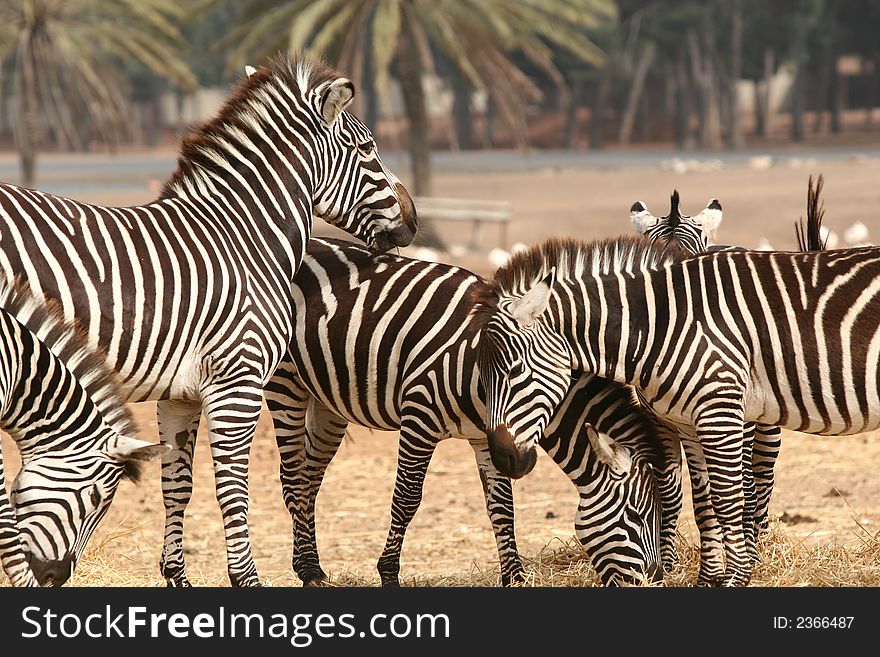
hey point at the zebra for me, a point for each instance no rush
(787, 339)
(61, 406)
(189, 296)
(389, 342)
(762, 443)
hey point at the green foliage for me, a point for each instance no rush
(66, 58)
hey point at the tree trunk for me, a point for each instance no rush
(635, 92)
(870, 70)
(838, 98)
(597, 111)
(823, 93)
(683, 101)
(461, 111)
(571, 114)
(26, 125)
(409, 75)
(797, 102)
(762, 96)
(734, 134)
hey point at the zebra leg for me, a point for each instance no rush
(498, 492)
(749, 499)
(178, 426)
(671, 496)
(324, 434)
(288, 402)
(711, 538)
(723, 451)
(12, 553)
(768, 441)
(413, 458)
(232, 414)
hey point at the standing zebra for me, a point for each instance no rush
(779, 338)
(61, 406)
(190, 295)
(391, 343)
(762, 442)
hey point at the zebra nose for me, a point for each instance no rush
(507, 457)
(51, 572)
(654, 573)
(407, 210)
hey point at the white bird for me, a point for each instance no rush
(856, 235)
(429, 255)
(498, 257)
(829, 237)
(764, 245)
(519, 246)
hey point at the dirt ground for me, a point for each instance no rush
(826, 490)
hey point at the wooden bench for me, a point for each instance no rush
(477, 212)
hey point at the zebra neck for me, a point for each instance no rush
(267, 186)
(607, 329)
(57, 429)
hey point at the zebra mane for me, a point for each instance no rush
(68, 342)
(246, 102)
(575, 259)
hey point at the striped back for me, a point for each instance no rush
(383, 339)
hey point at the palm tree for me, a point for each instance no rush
(66, 58)
(400, 37)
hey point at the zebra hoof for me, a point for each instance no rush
(710, 581)
(314, 579)
(177, 583)
(515, 577)
(390, 582)
(245, 581)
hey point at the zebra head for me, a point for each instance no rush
(618, 520)
(60, 498)
(693, 234)
(360, 194)
(285, 141)
(525, 371)
(354, 189)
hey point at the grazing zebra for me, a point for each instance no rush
(61, 406)
(779, 338)
(190, 295)
(391, 343)
(761, 449)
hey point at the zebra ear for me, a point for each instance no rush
(125, 449)
(641, 219)
(709, 219)
(335, 97)
(533, 303)
(614, 455)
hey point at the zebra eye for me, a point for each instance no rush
(95, 496)
(367, 147)
(517, 370)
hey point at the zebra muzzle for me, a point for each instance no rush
(51, 572)
(510, 460)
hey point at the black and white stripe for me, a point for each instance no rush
(762, 442)
(778, 338)
(391, 343)
(61, 406)
(190, 295)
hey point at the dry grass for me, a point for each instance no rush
(786, 561)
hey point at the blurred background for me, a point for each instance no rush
(509, 121)
(464, 87)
